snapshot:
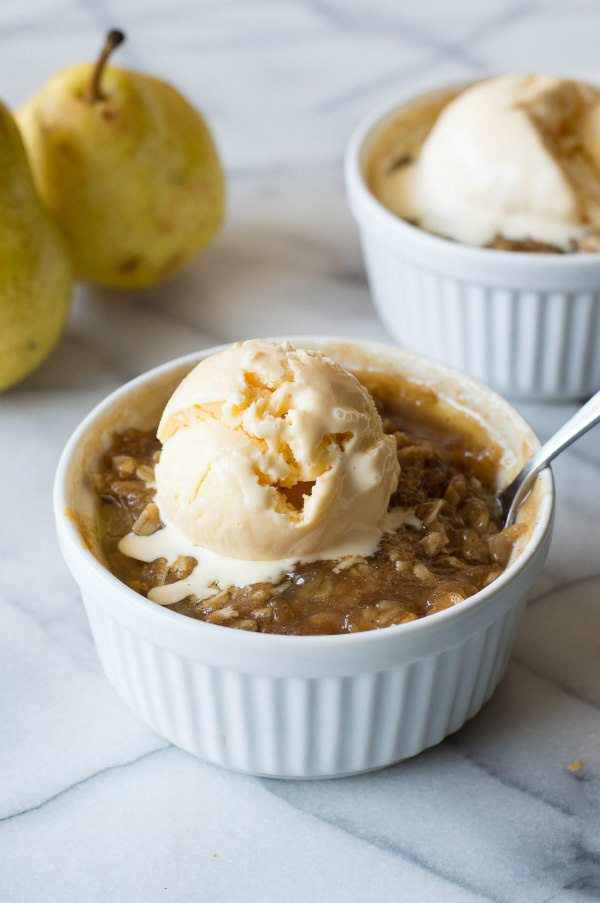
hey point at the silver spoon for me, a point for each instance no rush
(514, 494)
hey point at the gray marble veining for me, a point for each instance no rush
(93, 806)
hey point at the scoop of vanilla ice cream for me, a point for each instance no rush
(273, 452)
(517, 156)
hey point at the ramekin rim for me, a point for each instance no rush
(68, 531)
(402, 229)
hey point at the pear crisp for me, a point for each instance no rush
(444, 539)
(588, 243)
(509, 163)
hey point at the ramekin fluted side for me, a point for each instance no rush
(525, 342)
(299, 727)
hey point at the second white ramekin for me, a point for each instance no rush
(527, 324)
(298, 707)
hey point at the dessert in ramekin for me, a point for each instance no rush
(507, 289)
(302, 705)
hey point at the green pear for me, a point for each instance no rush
(127, 167)
(35, 269)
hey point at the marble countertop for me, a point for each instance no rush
(93, 806)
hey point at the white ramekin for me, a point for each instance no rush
(301, 707)
(527, 324)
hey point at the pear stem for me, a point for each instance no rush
(94, 92)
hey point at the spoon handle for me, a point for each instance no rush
(584, 419)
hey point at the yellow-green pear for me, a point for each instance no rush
(35, 269)
(127, 167)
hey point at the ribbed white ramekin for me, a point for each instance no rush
(527, 324)
(301, 707)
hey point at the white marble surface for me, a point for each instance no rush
(93, 806)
